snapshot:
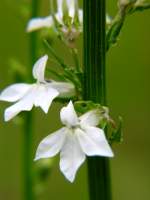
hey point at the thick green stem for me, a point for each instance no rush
(28, 124)
(95, 88)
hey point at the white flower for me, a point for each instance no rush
(39, 94)
(48, 22)
(73, 12)
(78, 138)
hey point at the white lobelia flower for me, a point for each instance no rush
(79, 137)
(39, 94)
(73, 12)
(48, 22)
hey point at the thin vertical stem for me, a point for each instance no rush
(33, 36)
(76, 59)
(28, 124)
(28, 134)
(95, 88)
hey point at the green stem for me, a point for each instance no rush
(28, 160)
(69, 74)
(33, 35)
(54, 54)
(28, 124)
(95, 88)
(76, 59)
(115, 29)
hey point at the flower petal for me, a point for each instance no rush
(60, 8)
(71, 7)
(108, 19)
(68, 115)
(39, 68)
(44, 96)
(80, 13)
(71, 157)
(64, 89)
(91, 118)
(38, 23)
(25, 104)
(93, 142)
(14, 92)
(51, 145)
(59, 18)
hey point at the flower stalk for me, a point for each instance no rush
(95, 87)
(28, 124)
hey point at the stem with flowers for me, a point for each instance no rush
(95, 89)
(87, 128)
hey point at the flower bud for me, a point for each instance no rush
(139, 2)
(125, 5)
(126, 2)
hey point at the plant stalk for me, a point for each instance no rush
(95, 88)
(28, 123)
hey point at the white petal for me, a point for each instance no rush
(38, 23)
(63, 88)
(60, 8)
(14, 92)
(93, 142)
(44, 96)
(39, 68)
(71, 7)
(91, 118)
(25, 104)
(68, 115)
(59, 18)
(80, 16)
(71, 157)
(51, 145)
(108, 19)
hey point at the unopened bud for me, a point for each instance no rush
(126, 2)
(70, 35)
(125, 5)
(139, 2)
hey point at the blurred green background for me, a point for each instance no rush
(128, 71)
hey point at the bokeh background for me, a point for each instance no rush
(128, 72)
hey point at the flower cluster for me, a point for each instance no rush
(67, 14)
(80, 136)
(67, 20)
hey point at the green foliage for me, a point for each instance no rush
(125, 9)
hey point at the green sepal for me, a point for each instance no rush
(140, 7)
(85, 106)
(65, 99)
(117, 133)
